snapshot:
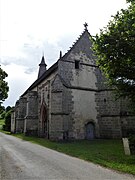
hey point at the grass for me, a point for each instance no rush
(108, 153)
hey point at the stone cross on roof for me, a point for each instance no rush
(85, 25)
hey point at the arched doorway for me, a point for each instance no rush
(90, 131)
(44, 124)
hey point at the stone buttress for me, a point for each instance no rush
(31, 118)
(20, 111)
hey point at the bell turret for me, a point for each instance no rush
(42, 67)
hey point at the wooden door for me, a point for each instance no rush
(90, 131)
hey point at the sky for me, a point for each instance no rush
(31, 28)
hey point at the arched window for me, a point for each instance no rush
(43, 116)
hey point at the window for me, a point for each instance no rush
(76, 64)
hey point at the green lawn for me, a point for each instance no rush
(108, 153)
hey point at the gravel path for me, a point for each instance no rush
(22, 160)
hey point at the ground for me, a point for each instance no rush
(21, 160)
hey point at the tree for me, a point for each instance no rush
(7, 126)
(3, 86)
(115, 49)
(8, 108)
(2, 109)
(6, 115)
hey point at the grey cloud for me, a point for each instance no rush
(30, 70)
(66, 41)
(4, 61)
(32, 53)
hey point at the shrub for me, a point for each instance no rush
(7, 126)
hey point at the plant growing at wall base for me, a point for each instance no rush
(132, 143)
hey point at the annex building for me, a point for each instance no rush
(71, 101)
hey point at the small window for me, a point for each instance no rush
(76, 64)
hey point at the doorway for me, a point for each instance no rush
(90, 131)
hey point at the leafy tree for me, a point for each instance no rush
(2, 115)
(7, 126)
(3, 86)
(2, 108)
(115, 49)
(6, 115)
(132, 1)
(8, 108)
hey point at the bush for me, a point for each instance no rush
(3, 127)
(7, 126)
(132, 143)
(2, 115)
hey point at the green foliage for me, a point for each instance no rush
(2, 122)
(7, 126)
(2, 115)
(115, 49)
(8, 108)
(132, 139)
(132, 1)
(2, 108)
(3, 86)
(6, 116)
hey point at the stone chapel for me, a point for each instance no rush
(71, 101)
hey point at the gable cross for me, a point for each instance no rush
(85, 25)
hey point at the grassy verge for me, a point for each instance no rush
(108, 153)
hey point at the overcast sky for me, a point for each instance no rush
(29, 28)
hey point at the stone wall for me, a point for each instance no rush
(81, 87)
(127, 125)
(110, 127)
(107, 105)
(20, 110)
(108, 114)
(114, 116)
(44, 97)
(84, 112)
(59, 124)
(31, 118)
